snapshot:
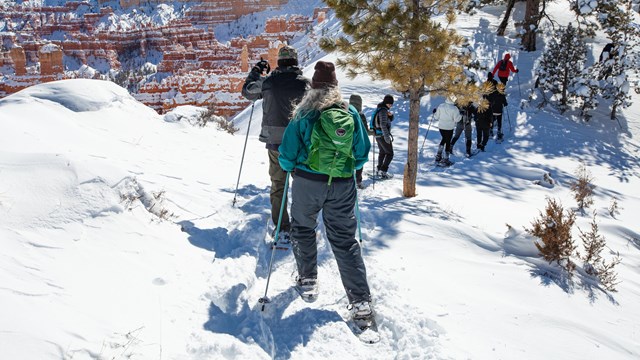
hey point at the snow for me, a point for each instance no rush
(86, 71)
(49, 48)
(120, 240)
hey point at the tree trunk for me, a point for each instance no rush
(530, 25)
(614, 109)
(411, 167)
(565, 85)
(505, 21)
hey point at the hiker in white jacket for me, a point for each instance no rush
(448, 116)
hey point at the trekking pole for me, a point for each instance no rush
(425, 135)
(357, 210)
(373, 162)
(264, 300)
(508, 118)
(243, 151)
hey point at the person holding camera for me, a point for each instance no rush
(279, 90)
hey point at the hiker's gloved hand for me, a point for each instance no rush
(262, 67)
(434, 110)
(387, 139)
(390, 116)
(517, 70)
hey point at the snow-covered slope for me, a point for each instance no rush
(120, 240)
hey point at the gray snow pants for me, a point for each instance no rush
(337, 203)
(466, 126)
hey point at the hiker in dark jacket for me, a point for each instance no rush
(608, 53)
(468, 113)
(382, 127)
(279, 91)
(356, 101)
(483, 124)
(498, 101)
(490, 79)
(504, 67)
(313, 191)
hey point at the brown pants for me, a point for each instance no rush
(278, 177)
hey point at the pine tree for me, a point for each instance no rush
(582, 187)
(615, 18)
(561, 65)
(594, 265)
(586, 88)
(402, 41)
(553, 228)
(625, 56)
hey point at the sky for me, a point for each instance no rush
(120, 238)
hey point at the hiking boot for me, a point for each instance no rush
(491, 133)
(361, 311)
(445, 162)
(438, 157)
(500, 136)
(284, 237)
(468, 154)
(307, 288)
(360, 185)
(384, 175)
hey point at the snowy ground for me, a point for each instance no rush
(120, 239)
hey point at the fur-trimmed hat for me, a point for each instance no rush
(324, 75)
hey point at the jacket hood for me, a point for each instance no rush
(507, 56)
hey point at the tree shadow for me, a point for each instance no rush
(553, 274)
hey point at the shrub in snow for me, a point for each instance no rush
(131, 191)
(614, 208)
(582, 187)
(222, 123)
(561, 65)
(594, 264)
(553, 229)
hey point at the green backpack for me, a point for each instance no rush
(331, 150)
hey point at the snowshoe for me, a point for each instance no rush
(364, 323)
(445, 163)
(307, 288)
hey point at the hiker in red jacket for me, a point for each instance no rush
(503, 67)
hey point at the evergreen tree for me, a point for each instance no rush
(615, 18)
(402, 41)
(617, 21)
(561, 65)
(587, 89)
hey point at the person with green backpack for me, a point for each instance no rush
(323, 145)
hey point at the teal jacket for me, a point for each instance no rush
(296, 141)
